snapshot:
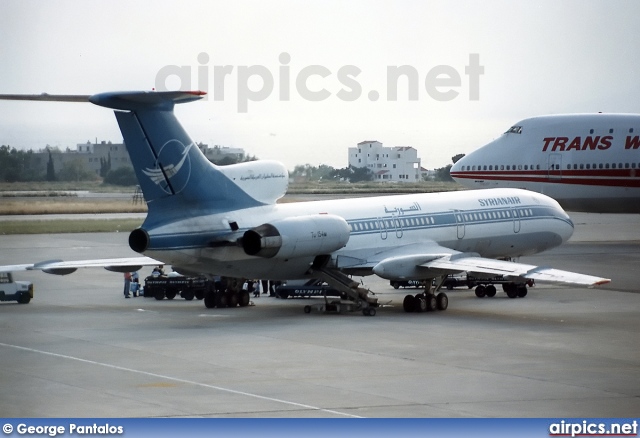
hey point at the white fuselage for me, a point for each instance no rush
(492, 223)
(587, 162)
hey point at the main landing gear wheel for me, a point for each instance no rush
(442, 301)
(425, 303)
(409, 303)
(420, 303)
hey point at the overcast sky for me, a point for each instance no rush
(537, 57)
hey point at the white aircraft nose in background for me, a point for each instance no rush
(587, 162)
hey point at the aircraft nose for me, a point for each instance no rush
(567, 226)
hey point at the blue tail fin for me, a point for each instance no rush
(172, 171)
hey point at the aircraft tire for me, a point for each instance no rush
(522, 291)
(442, 301)
(432, 302)
(409, 304)
(420, 304)
(232, 299)
(244, 298)
(221, 300)
(210, 300)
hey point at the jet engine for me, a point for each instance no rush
(297, 236)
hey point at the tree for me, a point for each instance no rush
(457, 158)
(353, 174)
(443, 174)
(51, 171)
(75, 170)
(105, 165)
(122, 176)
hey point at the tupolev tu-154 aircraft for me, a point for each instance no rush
(224, 220)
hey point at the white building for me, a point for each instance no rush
(397, 163)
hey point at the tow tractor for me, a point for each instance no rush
(10, 290)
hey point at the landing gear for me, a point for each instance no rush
(427, 301)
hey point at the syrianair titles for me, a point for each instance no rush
(225, 221)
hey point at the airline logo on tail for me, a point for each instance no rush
(169, 176)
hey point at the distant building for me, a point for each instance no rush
(397, 163)
(91, 155)
(219, 153)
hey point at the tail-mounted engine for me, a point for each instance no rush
(297, 236)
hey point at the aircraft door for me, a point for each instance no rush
(555, 167)
(516, 219)
(398, 226)
(383, 228)
(459, 224)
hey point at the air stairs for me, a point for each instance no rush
(362, 299)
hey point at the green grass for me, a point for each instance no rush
(69, 226)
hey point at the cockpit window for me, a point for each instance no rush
(514, 130)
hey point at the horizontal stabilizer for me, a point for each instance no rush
(44, 97)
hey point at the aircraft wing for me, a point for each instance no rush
(431, 260)
(474, 263)
(59, 267)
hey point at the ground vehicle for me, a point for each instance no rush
(407, 283)
(225, 292)
(170, 286)
(10, 290)
(310, 288)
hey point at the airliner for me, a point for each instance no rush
(224, 220)
(587, 162)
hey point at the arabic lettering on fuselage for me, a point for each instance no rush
(402, 210)
(262, 176)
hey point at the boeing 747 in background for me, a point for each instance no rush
(212, 220)
(587, 162)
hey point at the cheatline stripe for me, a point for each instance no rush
(176, 379)
(610, 181)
